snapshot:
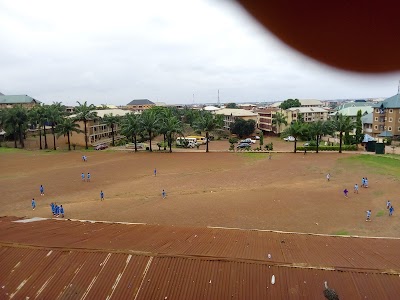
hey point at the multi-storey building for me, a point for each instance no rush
(97, 130)
(386, 117)
(264, 119)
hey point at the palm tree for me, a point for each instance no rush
(150, 123)
(66, 127)
(85, 113)
(130, 127)
(35, 117)
(206, 122)
(111, 121)
(296, 130)
(316, 130)
(278, 119)
(15, 119)
(343, 124)
(54, 115)
(172, 125)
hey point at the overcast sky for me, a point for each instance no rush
(116, 51)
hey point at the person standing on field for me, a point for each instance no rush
(101, 196)
(83, 176)
(328, 177)
(368, 215)
(41, 190)
(391, 209)
(33, 204)
(155, 172)
(163, 194)
(356, 188)
(88, 177)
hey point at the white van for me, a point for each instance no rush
(186, 142)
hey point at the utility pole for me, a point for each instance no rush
(219, 104)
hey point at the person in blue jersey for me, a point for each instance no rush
(62, 211)
(101, 195)
(41, 190)
(33, 204)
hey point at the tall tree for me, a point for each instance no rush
(131, 127)
(206, 122)
(172, 125)
(150, 123)
(35, 116)
(85, 113)
(54, 115)
(296, 130)
(290, 103)
(278, 119)
(111, 121)
(343, 124)
(231, 105)
(16, 119)
(66, 127)
(359, 135)
(243, 127)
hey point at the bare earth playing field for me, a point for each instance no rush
(288, 192)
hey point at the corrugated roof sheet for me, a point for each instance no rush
(391, 102)
(16, 99)
(61, 259)
(141, 102)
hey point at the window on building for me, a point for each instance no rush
(390, 119)
(376, 119)
(390, 111)
(390, 128)
(376, 127)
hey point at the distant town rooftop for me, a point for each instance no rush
(141, 102)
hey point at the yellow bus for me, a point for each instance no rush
(201, 140)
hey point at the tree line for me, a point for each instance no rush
(165, 121)
(315, 130)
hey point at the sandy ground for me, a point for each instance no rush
(288, 192)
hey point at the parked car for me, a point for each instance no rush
(248, 140)
(306, 144)
(256, 137)
(101, 147)
(289, 139)
(244, 145)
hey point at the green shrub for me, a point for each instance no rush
(329, 148)
(233, 140)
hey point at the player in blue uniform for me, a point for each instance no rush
(33, 204)
(88, 177)
(62, 211)
(53, 208)
(391, 209)
(41, 190)
(163, 194)
(368, 215)
(101, 195)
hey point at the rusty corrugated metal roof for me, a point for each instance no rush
(55, 259)
(78, 274)
(286, 248)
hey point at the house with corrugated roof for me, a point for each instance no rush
(8, 101)
(139, 105)
(386, 117)
(231, 114)
(351, 109)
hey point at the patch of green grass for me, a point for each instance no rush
(10, 150)
(380, 213)
(254, 156)
(341, 232)
(379, 164)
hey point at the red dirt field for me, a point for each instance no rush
(288, 192)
